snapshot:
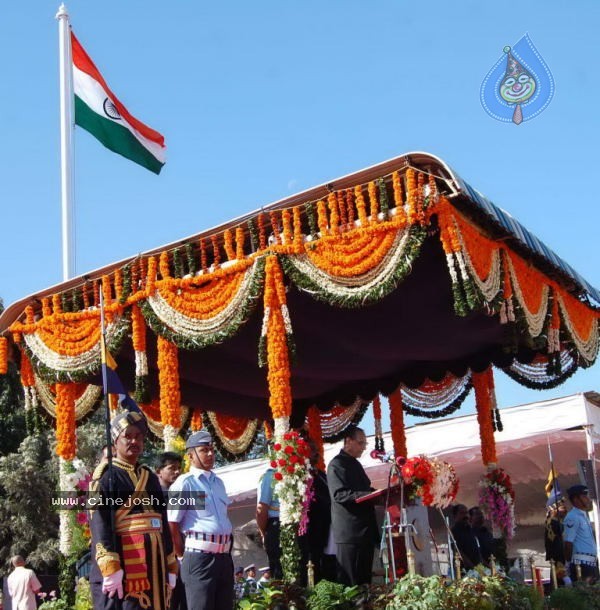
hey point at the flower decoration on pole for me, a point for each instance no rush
(430, 479)
(74, 482)
(497, 501)
(418, 474)
(445, 483)
(290, 459)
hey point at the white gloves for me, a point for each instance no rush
(113, 584)
(172, 580)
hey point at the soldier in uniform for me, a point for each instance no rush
(580, 543)
(132, 553)
(202, 532)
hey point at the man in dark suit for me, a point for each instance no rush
(354, 526)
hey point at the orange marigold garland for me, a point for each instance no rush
(56, 303)
(361, 207)
(341, 202)
(240, 238)
(203, 256)
(373, 201)
(118, 284)
(421, 197)
(274, 340)
(28, 382)
(151, 276)
(298, 236)
(286, 216)
(322, 218)
(170, 397)
(47, 310)
(262, 234)
(275, 227)
(86, 295)
(163, 265)
(397, 423)
(350, 207)
(196, 420)
(3, 355)
(228, 242)
(216, 251)
(334, 216)
(138, 328)
(411, 196)
(65, 420)
(379, 444)
(486, 404)
(316, 434)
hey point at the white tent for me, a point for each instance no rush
(570, 425)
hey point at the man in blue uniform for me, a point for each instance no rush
(202, 533)
(267, 520)
(580, 543)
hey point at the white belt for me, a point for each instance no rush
(204, 545)
(585, 558)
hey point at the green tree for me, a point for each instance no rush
(12, 413)
(28, 525)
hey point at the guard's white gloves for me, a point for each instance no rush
(113, 584)
(172, 580)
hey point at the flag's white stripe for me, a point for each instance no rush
(93, 94)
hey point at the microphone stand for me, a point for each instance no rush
(403, 527)
(452, 547)
(387, 531)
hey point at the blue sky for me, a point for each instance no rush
(258, 100)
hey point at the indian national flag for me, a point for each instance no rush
(98, 111)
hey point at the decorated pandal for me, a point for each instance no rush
(399, 281)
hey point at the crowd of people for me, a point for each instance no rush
(178, 557)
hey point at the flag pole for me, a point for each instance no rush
(66, 142)
(105, 388)
(108, 438)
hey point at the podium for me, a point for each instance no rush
(405, 533)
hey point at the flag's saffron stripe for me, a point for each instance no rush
(82, 61)
(115, 137)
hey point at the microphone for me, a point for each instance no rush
(382, 456)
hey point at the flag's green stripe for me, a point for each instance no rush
(115, 137)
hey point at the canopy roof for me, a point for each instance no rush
(398, 274)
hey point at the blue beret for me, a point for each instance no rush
(197, 439)
(577, 490)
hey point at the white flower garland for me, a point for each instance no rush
(83, 404)
(190, 327)
(588, 349)
(445, 483)
(281, 425)
(359, 285)
(535, 320)
(69, 364)
(491, 285)
(169, 434)
(157, 427)
(234, 445)
(141, 364)
(65, 537)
